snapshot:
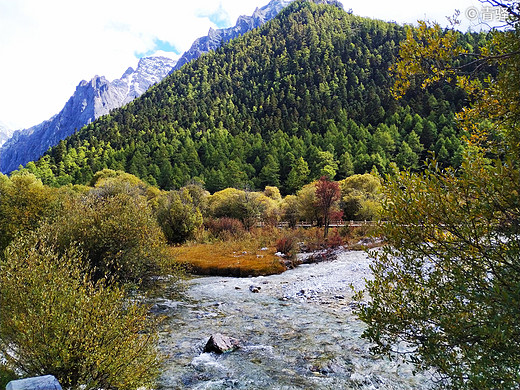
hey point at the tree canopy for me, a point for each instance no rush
(447, 284)
(306, 95)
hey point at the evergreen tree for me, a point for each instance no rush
(313, 82)
(270, 173)
(298, 176)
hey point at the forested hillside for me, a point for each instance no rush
(307, 94)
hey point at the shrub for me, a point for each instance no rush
(6, 375)
(225, 203)
(273, 193)
(335, 240)
(56, 320)
(178, 217)
(313, 239)
(199, 195)
(118, 235)
(286, 245)
(306, 200)
(361, 197)
(110, 183)
(225, 227)
(24, 203)
(246, 206)
(289, 210)
(269, 209)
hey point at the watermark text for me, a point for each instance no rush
(487, 14)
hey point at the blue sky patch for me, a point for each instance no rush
(220, 17)
(159, 45)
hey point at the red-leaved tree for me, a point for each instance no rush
(327, 195)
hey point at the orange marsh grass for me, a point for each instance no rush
(243, 256)
(229, 258)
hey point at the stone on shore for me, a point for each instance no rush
(47, 382)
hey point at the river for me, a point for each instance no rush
(297, 332)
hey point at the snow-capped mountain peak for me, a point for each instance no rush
(90, 100)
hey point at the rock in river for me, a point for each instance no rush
(219, 343)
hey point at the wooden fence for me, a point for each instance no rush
(333, 224)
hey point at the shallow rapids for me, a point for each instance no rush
(296, 332)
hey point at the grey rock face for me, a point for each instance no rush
(91, 100)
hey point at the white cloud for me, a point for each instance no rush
(48, 47)
(411, 11)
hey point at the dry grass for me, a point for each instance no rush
(242, 257)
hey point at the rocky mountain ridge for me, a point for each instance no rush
(97, 97)
(5, 133)
(91, 100)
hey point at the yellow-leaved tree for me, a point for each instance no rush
(448, 282)
(57, 320)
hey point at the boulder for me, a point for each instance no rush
(47, 382)
(219, 343)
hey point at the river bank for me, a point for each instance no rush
(296, 331)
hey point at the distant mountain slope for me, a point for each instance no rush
(91, 100)
(99, 96)
(306, 94)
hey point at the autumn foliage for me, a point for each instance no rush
(327, 196)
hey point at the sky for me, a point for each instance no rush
(48, 47)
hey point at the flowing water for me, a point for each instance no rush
(297, 332)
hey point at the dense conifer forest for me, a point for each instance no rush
(308, 94)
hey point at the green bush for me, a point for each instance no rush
(24, 203)
(109, 183)
(178, 216)
(361, 197)
(6, 375)
(290, 210)
(306, 201)
(118, 234)
(248, 207)
(198, 194)
(448, 282)
(56, 320)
